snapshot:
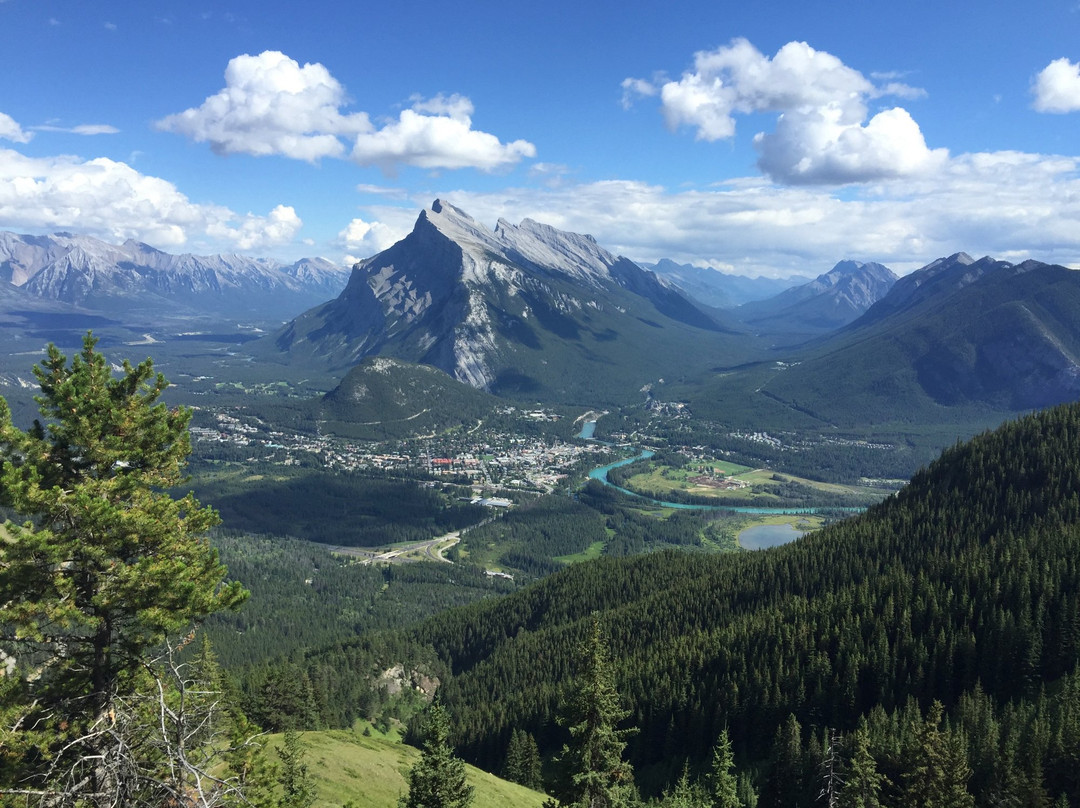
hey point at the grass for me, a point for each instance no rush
(594, 550)
(661, 480)
(370, 771)
(798, 521)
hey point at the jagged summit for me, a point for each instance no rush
(513, 309)
(456, 224)
(935, 280)
(830, 301)
(543, 245)
(539, 246)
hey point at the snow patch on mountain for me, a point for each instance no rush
(87, 271)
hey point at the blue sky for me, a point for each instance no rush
(757, 138)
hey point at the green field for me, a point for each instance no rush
(701, 479)
(369, 772)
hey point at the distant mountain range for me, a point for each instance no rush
(824, 304)
(719, 289)
(115, 279)
(521, 310)
(531, 312)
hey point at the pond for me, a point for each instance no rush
(761, 536)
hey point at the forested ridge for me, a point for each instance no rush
(961, 589)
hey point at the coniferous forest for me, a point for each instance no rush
(923, 653)
(935, 636)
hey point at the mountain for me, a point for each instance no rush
(95, 275)
(719, 289)
(938, 279)
(826, 303)
(521, 310)
(383, 397)
(957, 333)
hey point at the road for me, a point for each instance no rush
(430, 549)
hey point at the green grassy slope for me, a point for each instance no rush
(370, 772)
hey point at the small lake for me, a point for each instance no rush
(761, 536)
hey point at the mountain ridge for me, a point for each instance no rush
(719, 289)
(956, 333)
(93, 274)
(830, 301)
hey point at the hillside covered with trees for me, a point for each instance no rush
(960, 592)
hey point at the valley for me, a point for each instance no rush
(491, 436)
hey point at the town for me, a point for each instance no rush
(490, 462)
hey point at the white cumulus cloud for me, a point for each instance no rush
(252, 232)
(10, 130)
(437, 133)
(363, 239)
(273, 105)
(818, 146)
(822, 134)
(1057, 87)
(112, 200)
(1011, 205)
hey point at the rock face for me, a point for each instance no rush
(826, 303)
(395, 679)
(516, 308)
(84, 271)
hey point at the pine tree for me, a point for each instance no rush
(938, 770)
(786, 786)
(862, 789)
(437, 779)
(722, 784)
(105, 565)
(294, 778)
(523, 760)
(598, 775)
(748, 795)
(686, 794)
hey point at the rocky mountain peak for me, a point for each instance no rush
(531, 243)
(830, 301)
(545, 246)
(456, 225)
(513, 308)
(937, 279)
